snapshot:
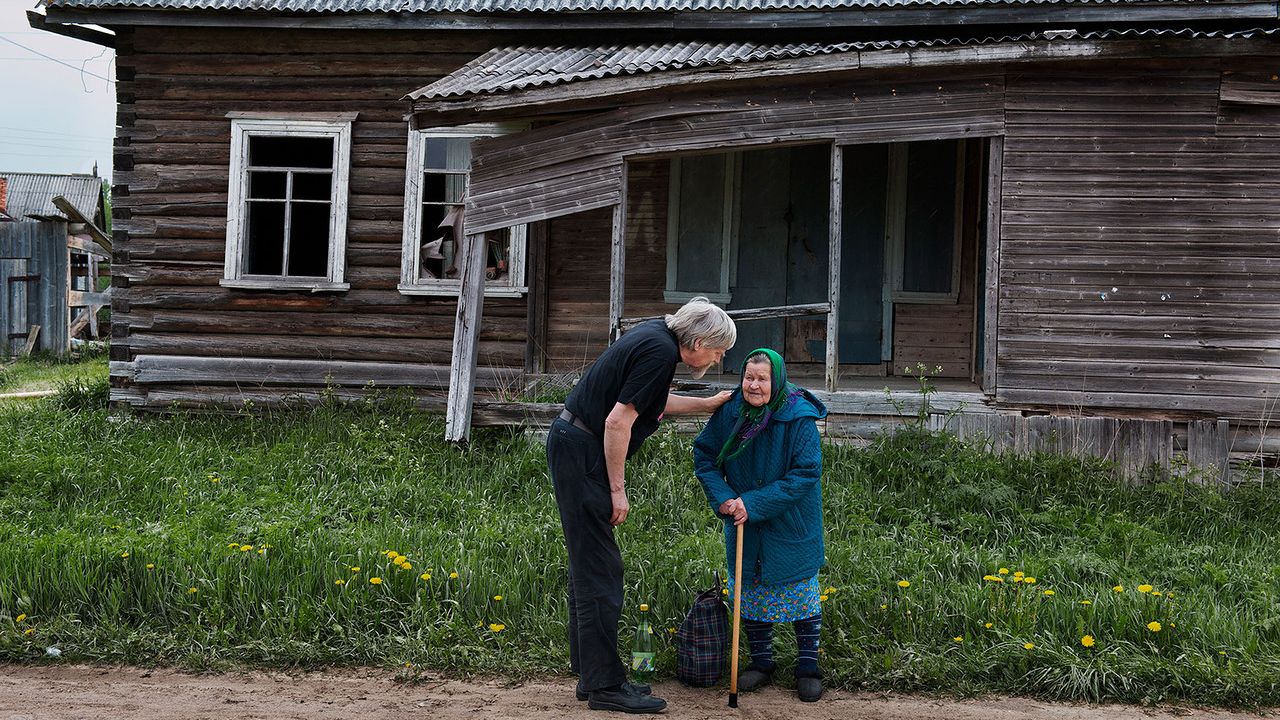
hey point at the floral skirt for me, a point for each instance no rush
(779, 603)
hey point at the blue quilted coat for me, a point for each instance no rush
(779, 477)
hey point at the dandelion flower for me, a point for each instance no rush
(1029, 646)
(124, 554)
(425, 576)
(991, 578)
(1002, 571)
(151, 566)
(246, 548)
(1222, 652)
(1154, 626)
(904, 584)
(1087, 641)
(1017, 579)
(1029, 580)
(406, 566)
(497, 627)
(1144, 588)
(20, 618)
(1169, 595)
(671, 630)
(830, 591)
(724, 591)
(1019, 574)
(391, 554)
(987, 625)
(1157, 593)
(1048, 593)
(1173, 625)
(884, 607)
(262, 551)
(497, 598)
(339, 581)
(822, 598)
(1118, 588)
(233, 544)
(453, 576)
(375, 581)
(1086, 602)
(192, 590)
(29, 631)
(355, 568)
(958, 638)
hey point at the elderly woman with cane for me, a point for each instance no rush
(759, 460)
(609, 413)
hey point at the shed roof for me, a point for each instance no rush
(517, 68)
(481, 6)
(32, 194)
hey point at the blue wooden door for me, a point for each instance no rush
(866, 169)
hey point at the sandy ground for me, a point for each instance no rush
(73, 692)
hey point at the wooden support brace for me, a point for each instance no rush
(991, 298)
(466, 342)
(618, 260)
(833, 274)
(32, 336)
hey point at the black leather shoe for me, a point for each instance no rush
(638, 687)
(753, 679)
(627, 698)
(809, 688)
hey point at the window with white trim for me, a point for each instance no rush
(287, 203)
(702, 226)
(437, 172)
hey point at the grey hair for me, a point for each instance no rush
(698, 319)
(756, 358)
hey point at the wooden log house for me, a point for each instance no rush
(1063, 211)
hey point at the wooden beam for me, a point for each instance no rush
(466, 341)
(39, 21)
(75, 216)
(762, 313)
(86, 245)
(1249, 92)
(618, 260)
(80, 298)
(30, 345)
(991, 297)
(833, 269)
(535, 358)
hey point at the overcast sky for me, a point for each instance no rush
(53, 118)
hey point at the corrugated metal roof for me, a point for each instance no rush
(522, 67)
(33, 194)
(462, 6)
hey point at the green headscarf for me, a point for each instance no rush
(751, 421)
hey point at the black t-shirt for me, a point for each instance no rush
(636, 370)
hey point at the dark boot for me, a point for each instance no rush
(638, 687)
(625, 698)
(754, 678)
(809, 686)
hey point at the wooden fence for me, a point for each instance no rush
(34, 276)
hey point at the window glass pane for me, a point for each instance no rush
(265, 242)
(312, 186)
(448, 153)
(310, 152)
(440, 188)
(929, 237)
(497, 269)
(309, 239)
(700, 233)
(437, 245)
(267, 185)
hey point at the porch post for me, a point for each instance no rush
(466, 342)
(990, 331)
(618, 259)
(833, 271)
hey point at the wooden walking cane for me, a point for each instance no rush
(737, 619)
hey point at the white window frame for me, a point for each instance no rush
(729, 238)
(896, 228)
(410, 259)
(245, 126)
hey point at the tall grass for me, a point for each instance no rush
(216, 540)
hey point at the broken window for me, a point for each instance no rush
(701, 227)
(439, 167)
(286, 226)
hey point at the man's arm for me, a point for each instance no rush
(617, 438)
(688, 405)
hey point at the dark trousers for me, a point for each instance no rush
(576, 460)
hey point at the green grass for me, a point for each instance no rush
(43, 373)
(88, 504)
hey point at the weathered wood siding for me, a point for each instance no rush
(1140, 251)
(171, 173)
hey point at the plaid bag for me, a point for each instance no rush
(702, 643)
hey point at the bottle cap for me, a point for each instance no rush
(644, 608)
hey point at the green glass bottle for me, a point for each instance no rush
(642, 649)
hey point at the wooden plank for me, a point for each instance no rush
(466, 342)
(744, 314)
(618, 258)
(537, 316)
(79, 298)
(192, 370)
(1209, 451)
(835, 243)
(991, 293)
(1250, 92)
(32, 335)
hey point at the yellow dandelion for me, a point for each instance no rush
(1049, 593)
(904, 584)
(497, 598)
(1154, 626)
(884, 607)
(375, 581)
(20, 618)
(1144, 588)
(1173, 625)
(151, 566)
(1169, 595)
(406, 566)
(124, 554)
(1157, 593)
(987, 625)
(246, 548)
(453, 576)
(830, 591)
(990, 578)
(1019, 574)
(1002, 571)
(999, 579)
(1029, 646)
(339, 581)
(1017, 579)
(1029, 580)
(958, 638)
(497, 627)
(822, 598)
(29, 631)
(1087, 641)
(392, 554)
(262, 551)
(671, 630)
(233, 545)
(1222, 652)
(1086, 602)
(355, 568)
(1118, 588)
(192, 590)
(425, 576)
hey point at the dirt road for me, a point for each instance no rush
(101, 693)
